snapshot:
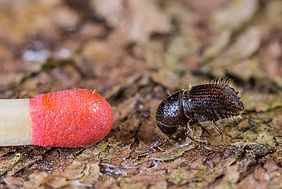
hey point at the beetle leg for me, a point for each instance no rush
(189, 133)
(189, 130)
(204, 129)
(217, 128)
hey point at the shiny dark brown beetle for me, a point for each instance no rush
(202, 103)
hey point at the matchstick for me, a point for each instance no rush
(70, 118)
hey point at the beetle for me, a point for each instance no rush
(202, 103)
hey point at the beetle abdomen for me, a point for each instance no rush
(211, 102)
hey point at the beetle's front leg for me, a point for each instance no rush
(190, 134)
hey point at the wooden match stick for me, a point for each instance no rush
(70, 118)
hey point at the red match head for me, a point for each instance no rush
(70, 118)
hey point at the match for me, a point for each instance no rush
(70, 118)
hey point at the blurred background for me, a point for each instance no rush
(135, 52)
(101, 44)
